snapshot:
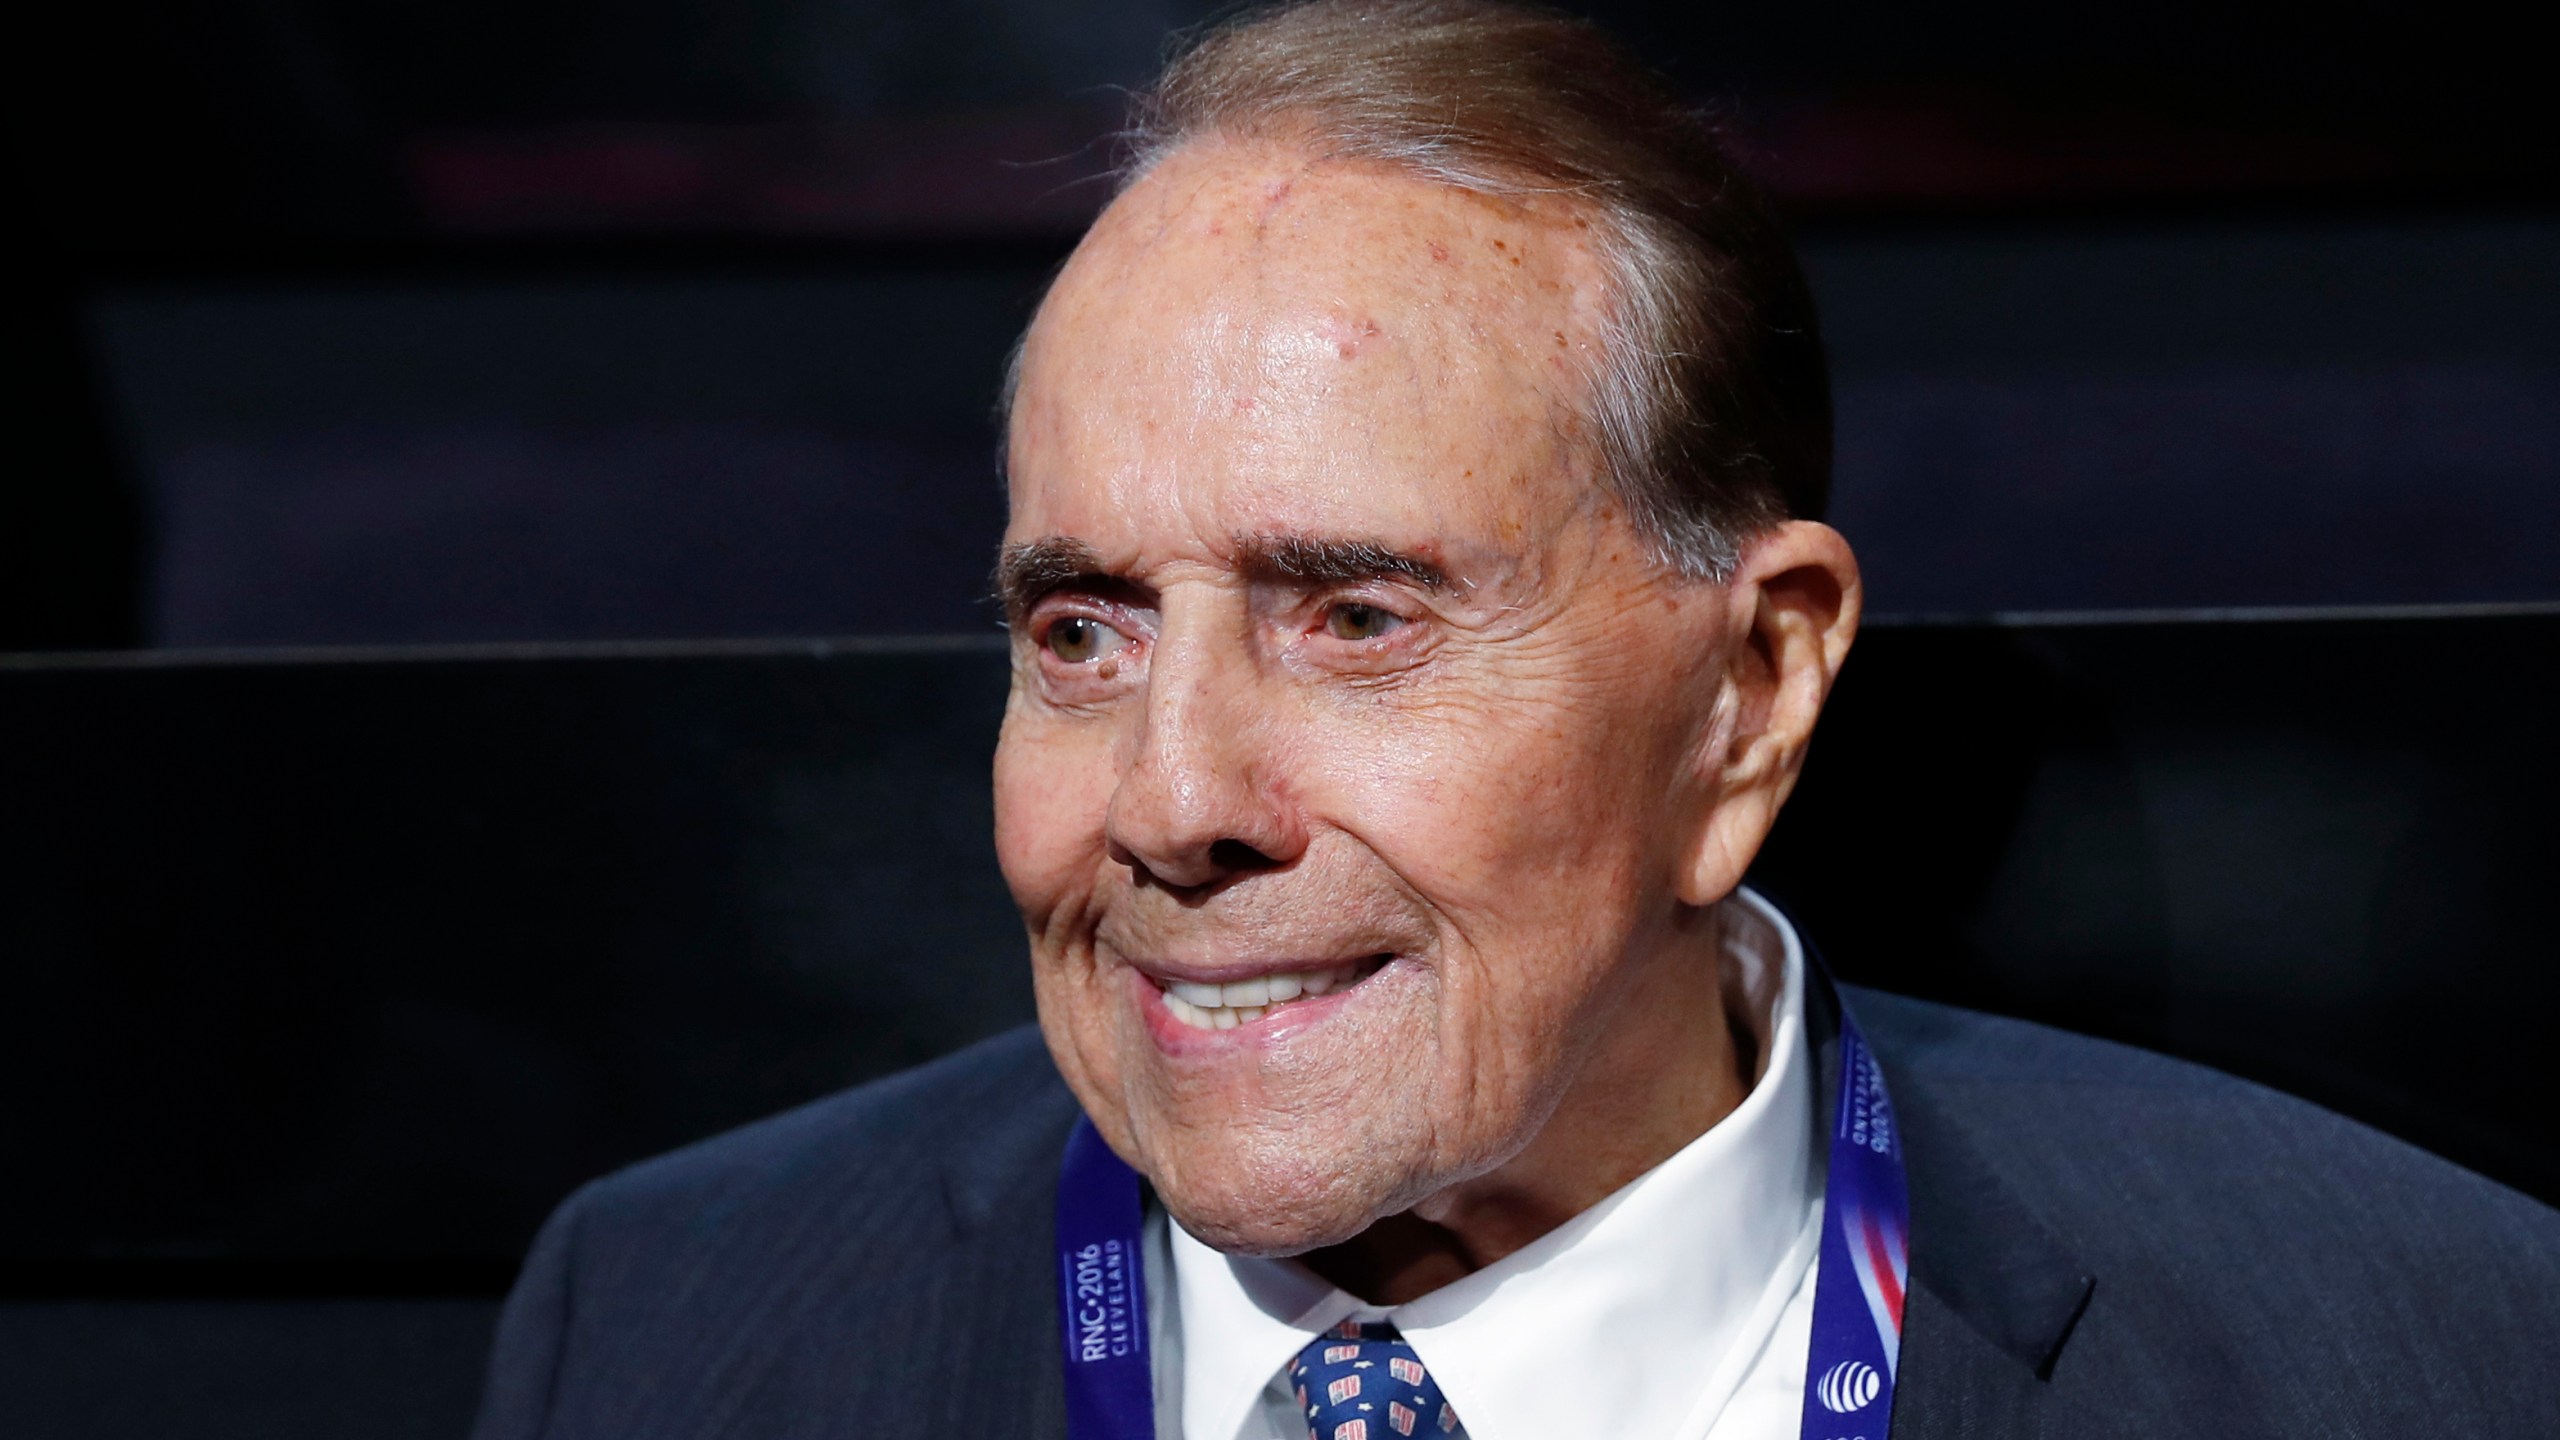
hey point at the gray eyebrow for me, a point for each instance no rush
(1326, 560)
(1029, 569)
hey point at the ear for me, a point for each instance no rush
(1793, 610)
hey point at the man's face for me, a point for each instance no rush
(1344, 696)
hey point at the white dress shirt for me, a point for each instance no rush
(1678, 1308)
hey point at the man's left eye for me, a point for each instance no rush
(1360, 622)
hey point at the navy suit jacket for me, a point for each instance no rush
(2104, 1242)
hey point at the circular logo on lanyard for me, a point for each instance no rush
(1849, 1385)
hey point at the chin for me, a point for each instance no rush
(1277, 1193)
(1273, 1222)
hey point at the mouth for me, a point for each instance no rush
(1212, 1005)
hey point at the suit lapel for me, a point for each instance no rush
(1954, 1383)
(1994, 1293)
(1001, 1194)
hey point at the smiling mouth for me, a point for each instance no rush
(1205, 1006)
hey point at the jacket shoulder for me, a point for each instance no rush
(2254, 1256)
(896, 1139)
(729, 1288)
(2097, 1126)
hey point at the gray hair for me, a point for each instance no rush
(1708, 394)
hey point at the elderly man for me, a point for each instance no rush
(1419, 618)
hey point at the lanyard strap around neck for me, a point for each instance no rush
(1865, 1263)
(1102, 1293)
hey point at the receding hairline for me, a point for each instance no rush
(1568, 217)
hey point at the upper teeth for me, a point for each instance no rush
(1224, 1007)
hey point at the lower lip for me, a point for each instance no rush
(1175, 1037)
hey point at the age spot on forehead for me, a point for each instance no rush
(1349, 336)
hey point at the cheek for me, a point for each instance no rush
(1481, 808)
(1532, 831)
(1052, 792)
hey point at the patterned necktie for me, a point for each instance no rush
(1363, 1382)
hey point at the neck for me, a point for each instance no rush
(1673, 1059)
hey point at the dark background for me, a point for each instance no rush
(396, 322)
(646, 341)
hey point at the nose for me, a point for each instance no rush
(1196, 807)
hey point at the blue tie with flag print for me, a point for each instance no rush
(1363, 1382)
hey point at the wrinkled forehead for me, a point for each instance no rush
(1247, 310)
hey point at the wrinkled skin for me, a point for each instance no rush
(1514, 768)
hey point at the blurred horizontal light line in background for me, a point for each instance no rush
(820, 648)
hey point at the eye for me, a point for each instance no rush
(1355, 621)
(1078, 638)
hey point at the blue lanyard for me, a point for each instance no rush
(1866, 1257)
(1102, 1294)
(1857, 1288)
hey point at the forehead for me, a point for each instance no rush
(1251, 339)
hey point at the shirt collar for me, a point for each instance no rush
(1682, 1270)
